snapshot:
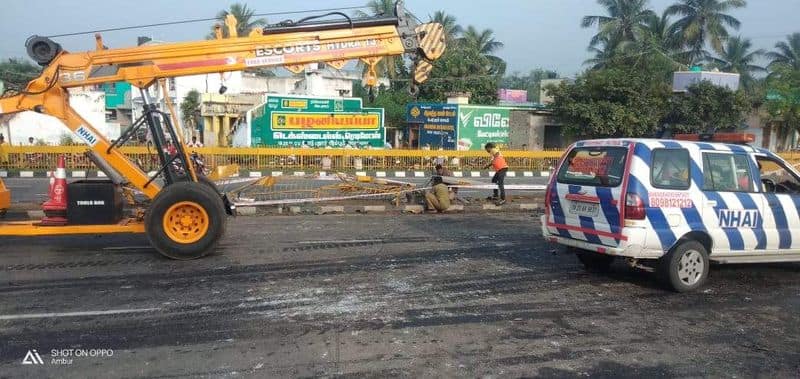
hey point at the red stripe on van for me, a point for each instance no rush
(583, 198)
(588, 231)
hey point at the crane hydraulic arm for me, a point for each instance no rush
(291, 45)
(181, 232)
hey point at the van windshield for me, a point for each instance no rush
(600, 166)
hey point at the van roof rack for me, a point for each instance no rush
(735, 138)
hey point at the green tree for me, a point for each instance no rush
(704, 21)
(737, 56)
(530, 82)
(463, 69)
(783, 101)
(451, 28)
(605, 52)
(786, 54)
(245, 19)
(485, 43)
(622, 23)
(707, 107)
(17, 72)
(190, 109)
(657, 40)
(614, 102)
(393, 100)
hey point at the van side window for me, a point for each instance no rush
(727, 173)
(776, 177)
(670, 169)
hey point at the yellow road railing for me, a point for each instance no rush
(44, 158)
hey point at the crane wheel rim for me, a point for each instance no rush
(186, 222)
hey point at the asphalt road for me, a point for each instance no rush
(376, 296)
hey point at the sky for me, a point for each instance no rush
(536, 33)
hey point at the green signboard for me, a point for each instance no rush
(478, 125)
(294, 121)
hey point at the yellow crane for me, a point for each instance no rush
(186, 215)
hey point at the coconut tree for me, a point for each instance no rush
(786, 54)
(451, 28)
(624, 19)
(737, 56)
(605, 51)
(657, 39)
(704, 21)
(485, 43)
(245, 19)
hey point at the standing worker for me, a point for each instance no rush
(3, 152)
(438, 198)
(500, 167)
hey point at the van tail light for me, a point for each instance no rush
(634, 207)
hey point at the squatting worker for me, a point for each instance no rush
(444, 171)
(438, 198)
(500, 167)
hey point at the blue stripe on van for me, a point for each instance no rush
(586, 222)
(734, 236)
(610, 210)
(656, 217)
(692, 215)
(784, 234)
(705, 146)
(761, 236)
(737, 149)
(558, 212)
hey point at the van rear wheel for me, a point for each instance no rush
(685, 268)
(595, 262)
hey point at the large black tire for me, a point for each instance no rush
(226, 204)
(595, 262)
(200, 205)
(685, 267)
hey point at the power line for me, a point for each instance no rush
(189, 21)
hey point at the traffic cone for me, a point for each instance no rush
(55, 209)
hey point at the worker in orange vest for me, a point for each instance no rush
(500, 167)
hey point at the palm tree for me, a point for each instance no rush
(604, 52)
(704, 21)
(245, 19)
(483, 41)
(786, 54)
(451, 28)
(737, 56)
(622, 23)
(378, 8)
(657, 39)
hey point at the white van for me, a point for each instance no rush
(672, 206)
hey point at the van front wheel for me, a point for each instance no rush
(595, 262)
(685, 268)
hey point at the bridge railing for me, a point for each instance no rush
(43, 158)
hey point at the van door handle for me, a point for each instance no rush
(711, 203)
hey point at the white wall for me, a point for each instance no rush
(89, 104)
